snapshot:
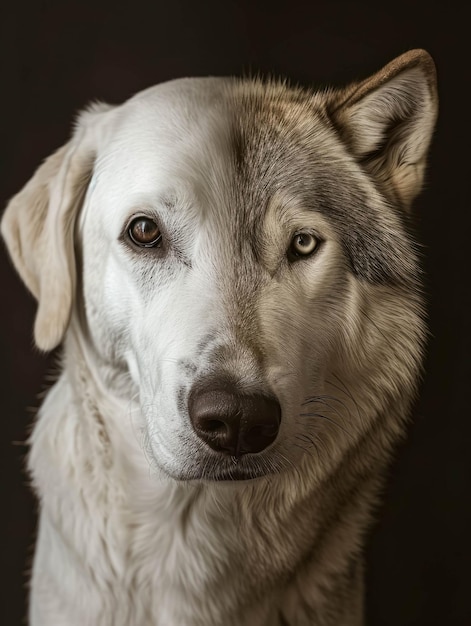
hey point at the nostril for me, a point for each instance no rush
(213, 426)
(259, 436)
(263, 430)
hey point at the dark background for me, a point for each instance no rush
(57, 56)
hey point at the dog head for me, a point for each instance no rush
(243, 255)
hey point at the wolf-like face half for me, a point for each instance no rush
(244, 262)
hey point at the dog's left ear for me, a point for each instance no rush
(388, 119)
(38, 226)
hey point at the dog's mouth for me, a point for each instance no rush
(231, 470)
(235, 475)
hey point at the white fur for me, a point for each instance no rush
(134, 530)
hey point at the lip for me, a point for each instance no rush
(223, 475)
(227, 470)
(234, 470)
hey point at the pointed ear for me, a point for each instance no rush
(38, 227)
(388, 120)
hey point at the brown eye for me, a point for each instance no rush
(144, 232)
(303, 244)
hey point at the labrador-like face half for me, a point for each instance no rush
(243, 258)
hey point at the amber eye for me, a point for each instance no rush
(303, 244)
(144, 232)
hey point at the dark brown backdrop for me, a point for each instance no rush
(57, 56)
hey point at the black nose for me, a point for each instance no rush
(232, 422)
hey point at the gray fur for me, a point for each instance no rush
(142, 523)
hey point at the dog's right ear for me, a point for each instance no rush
(38, 226)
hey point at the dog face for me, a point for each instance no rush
(222, 280)
(243, 257)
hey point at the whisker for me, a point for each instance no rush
(329, 419)
(327, 397)
(348, 393)
(320, 400)
(311, 441)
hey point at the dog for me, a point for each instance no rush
(229, 266)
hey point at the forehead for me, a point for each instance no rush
(162, 135)
(208, 136)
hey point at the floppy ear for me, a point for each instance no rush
(38, 228)
(388, 120)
